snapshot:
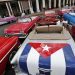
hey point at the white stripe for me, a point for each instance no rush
(58, 65)
(33, 62)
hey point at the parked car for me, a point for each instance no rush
(48, 20)
(51, 13)
(70, 17)
(7, 20)
(48, 50)
(64, 10)
(22, 27)
(7, 44)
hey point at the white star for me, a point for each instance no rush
(46, 48)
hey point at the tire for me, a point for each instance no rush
(9, 70)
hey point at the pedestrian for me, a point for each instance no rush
(62, 22)
(23, 14)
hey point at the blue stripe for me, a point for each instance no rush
(44, 63)
(23, 58)
(70, 60)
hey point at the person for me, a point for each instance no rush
(66, 7)
(0, 16)
(59, 22)
(27, 11)
(62, 22)
(44, 9)
(23, 14)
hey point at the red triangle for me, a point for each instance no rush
(50, 48)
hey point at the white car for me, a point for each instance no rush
(48, 50)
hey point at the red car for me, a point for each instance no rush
(6, 46)
(48, 20)
(51, 13)
(22, 27)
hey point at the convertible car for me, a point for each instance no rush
(51, 13)
(22, 27)
(50, 52)
(64, 10)
(70, 17)
(7, 20)
(48, 20)
(6, 47)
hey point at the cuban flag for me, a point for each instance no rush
(47, 59)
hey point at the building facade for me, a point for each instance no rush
(16, 7)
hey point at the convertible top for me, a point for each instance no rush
(49, 32)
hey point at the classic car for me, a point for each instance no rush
(7, 20)
(64, 10)
(22, 27)
(70, 17)
(48, 50)
(51, 13)
(7, 45)
(48, 20)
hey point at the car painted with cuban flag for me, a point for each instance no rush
(48, 50)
